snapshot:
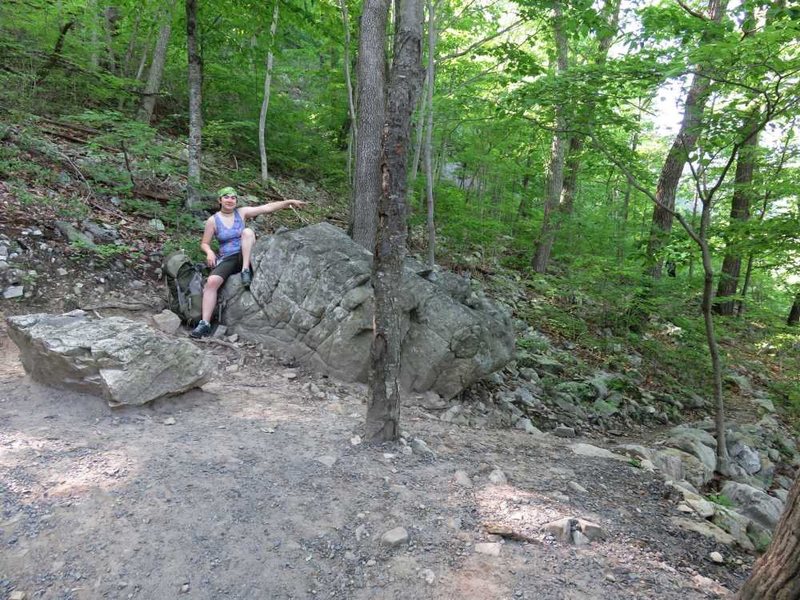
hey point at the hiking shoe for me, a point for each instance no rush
(247, 277)
(202, 330)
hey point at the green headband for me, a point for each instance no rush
(226, 191)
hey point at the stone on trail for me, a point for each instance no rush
(394, 537)
(716, 557)
(565, 529)
(326, 460)
(594, 451)
(488, 548)
(461, 479)
(706, 529)
(167, 321)
(311, 297)
(122, 361)
(13, 291)
(498, 477)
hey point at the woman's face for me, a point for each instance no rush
(227, 203)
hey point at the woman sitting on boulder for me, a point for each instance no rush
(235, 245)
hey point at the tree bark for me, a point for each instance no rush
(555, 166)
(371, 73)
(351, 105)
(56, 54)
(383, 411)
(776, 574)
(195, 106)
(429, 136)
(156, 73)
(262, 118)
(740, 212)
(683, 145)
(794, 313)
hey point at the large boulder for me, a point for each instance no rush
(312, 298)
(120, 360)
(755, 504)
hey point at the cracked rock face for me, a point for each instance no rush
(311, 298)
(120, 360)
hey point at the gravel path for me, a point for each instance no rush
(253, 488)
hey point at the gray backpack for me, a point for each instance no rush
(184, 286)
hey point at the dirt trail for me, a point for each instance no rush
(231, 501)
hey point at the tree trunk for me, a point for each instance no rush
(555, 167)
(371, 73)
(420, 134)
(794, 313)
(126, 59)
(740, 212)
(51, 62)
(429, 136)
(94, 44)
(110, 14)
(195, 106)
(383, 411)
(351, 105)
(262, 118)
(683, 145)
(776, 574)
(153, 84)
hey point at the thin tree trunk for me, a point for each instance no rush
(153, 84)
(555, 166)
(351, 105)
(420, 132)
(383, 411)
(683, 145)
(195, 106)
(94, 44)
(110, 15)
(776, 574)
(126, 59)
(262, 118)
(794, 313)
(371, 76)
(56, 54)
(429, 135)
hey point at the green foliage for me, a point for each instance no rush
(720, 499)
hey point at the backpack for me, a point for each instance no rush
(184, 286)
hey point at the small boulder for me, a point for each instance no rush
(167, 321)
(394, 537)
(115, 358)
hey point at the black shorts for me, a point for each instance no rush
(228, 266)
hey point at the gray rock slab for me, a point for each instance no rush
(167, 321)
(117, 359)
(754, 504)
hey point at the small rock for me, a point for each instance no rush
(290, 375)
(489, 549)
(716, 557)
(419, 446)
(461, 479)
(428, 575)
(498, 477)
(577, 487)
(18, 595)
(372, 562)
(355, 440)
(13, 291)
(233, 338)
(169, 421)
(232, 368)
(61, 272)
(219, 332)
(407, 451)
(564, 431)
(185, 588)
(167, 321)
(394, 537)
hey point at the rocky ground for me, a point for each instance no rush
(258, 486)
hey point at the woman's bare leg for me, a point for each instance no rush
(210, 296)
(248, 239)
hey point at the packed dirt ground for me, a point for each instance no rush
(258, 486)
